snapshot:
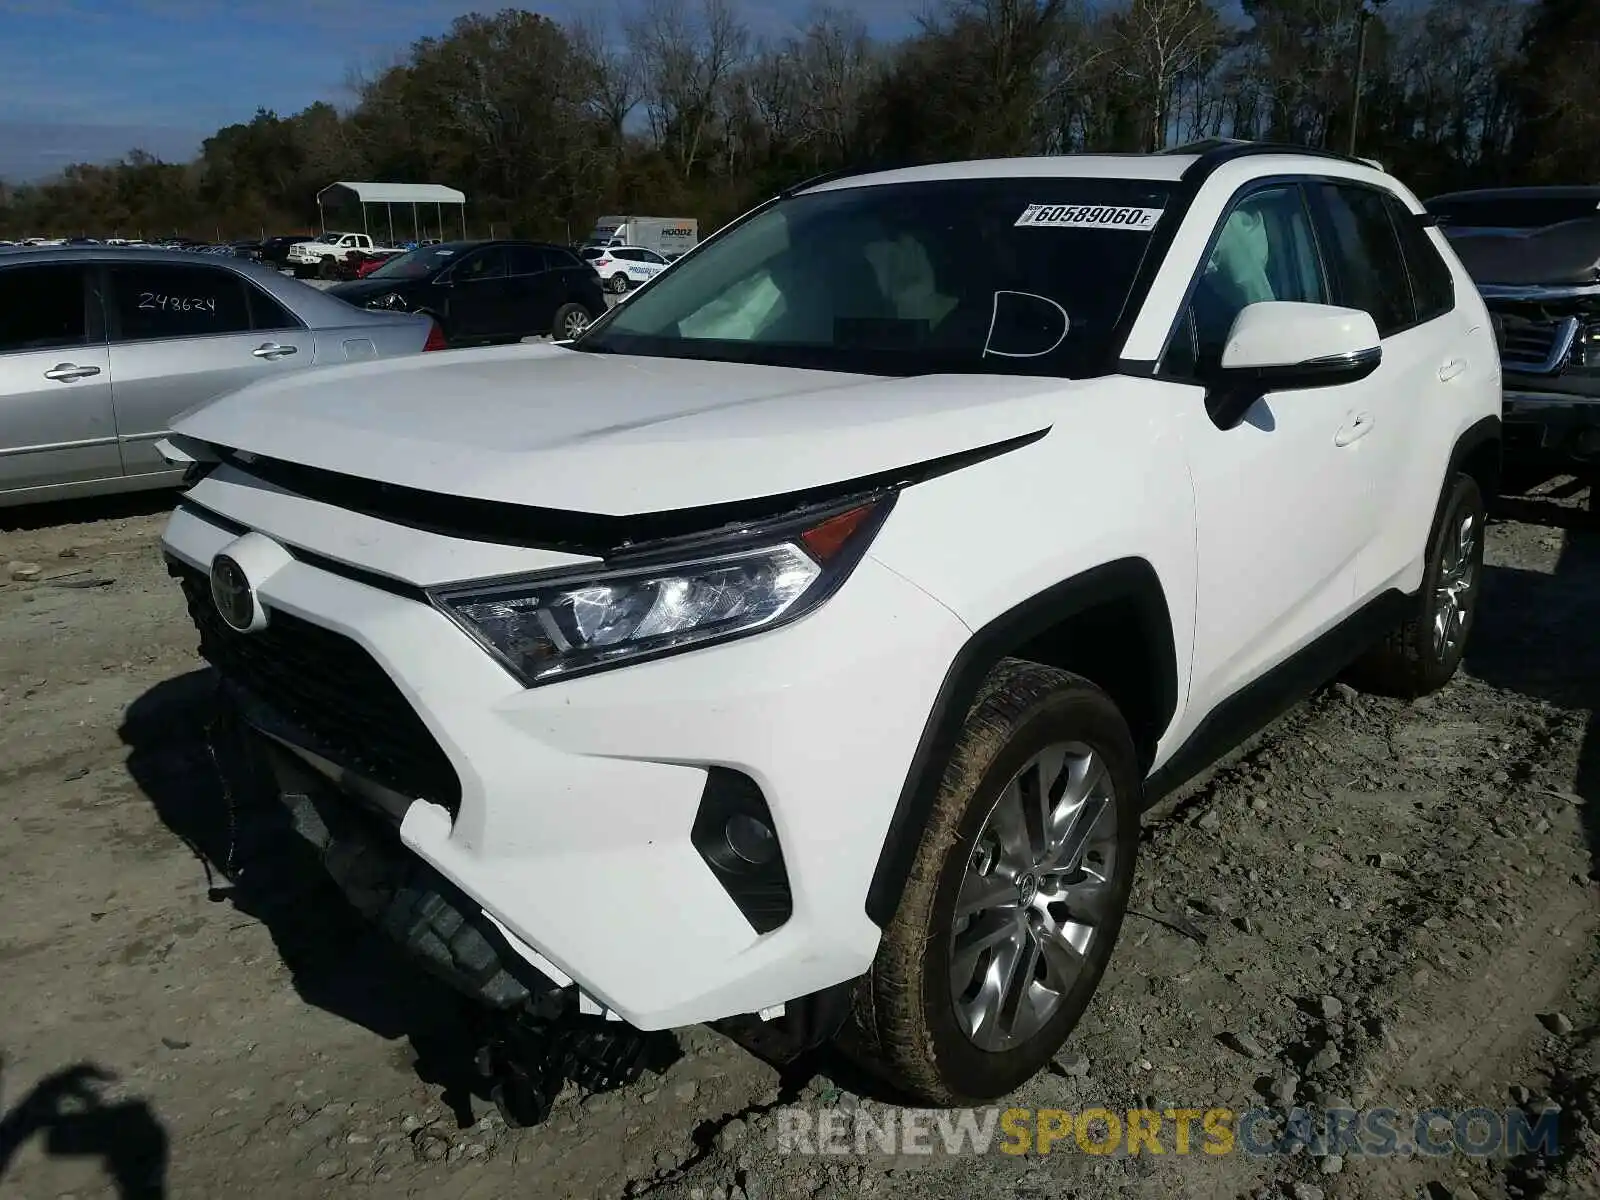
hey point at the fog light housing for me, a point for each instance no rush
(735, 835)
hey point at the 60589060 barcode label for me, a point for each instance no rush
(1089, 216)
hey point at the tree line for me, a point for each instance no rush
(676, 108)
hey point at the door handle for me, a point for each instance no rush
(1353, 430)
(1451, 369)
(273, 350)
(67, 372)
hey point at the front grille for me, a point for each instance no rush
(1536, 344)
(332, 690)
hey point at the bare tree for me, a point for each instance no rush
(834, 65)
(687, 57)
(1159, 43)
(615, 81)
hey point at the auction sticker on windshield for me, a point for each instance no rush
(1089, 216)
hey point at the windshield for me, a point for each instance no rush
(982, 275)
(330, 237)
(1512, 212)
(414, 264)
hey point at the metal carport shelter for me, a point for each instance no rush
(390, 194)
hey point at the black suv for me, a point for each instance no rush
(1534, 253)
(486, 291)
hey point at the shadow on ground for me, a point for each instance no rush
(95, 508)
(255, 863)
(75, 1120)
(1539, 635)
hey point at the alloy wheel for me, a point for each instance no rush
(574, 324)
(1035, 893)
(1458, 576)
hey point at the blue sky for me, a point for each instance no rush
(87, 80)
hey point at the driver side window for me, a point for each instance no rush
(1266, 250)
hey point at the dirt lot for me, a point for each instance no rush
(1397, 904)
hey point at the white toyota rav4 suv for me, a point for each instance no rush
(796, 649)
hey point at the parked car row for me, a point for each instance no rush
(784, 499)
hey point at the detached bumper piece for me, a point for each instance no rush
(534, 1035)
(531, 1053)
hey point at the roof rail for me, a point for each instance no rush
(841, 173)
(1215, 151)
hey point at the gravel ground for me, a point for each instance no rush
(1376, 904)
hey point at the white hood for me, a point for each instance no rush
(617, 435)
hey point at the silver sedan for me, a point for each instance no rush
(100, 347)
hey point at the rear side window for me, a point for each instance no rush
(267, 313)
(1431, 284)
(154, 302)
(42, 308)
(1366, 255)
(527, 260)
(564, 258)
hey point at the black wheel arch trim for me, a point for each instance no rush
(1481, 435)
(1127, 580)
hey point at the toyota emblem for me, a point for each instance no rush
(232, 593)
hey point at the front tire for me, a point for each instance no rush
(570, 320)
(1015, 898)
(1424, 652)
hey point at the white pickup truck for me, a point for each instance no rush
(326, 251)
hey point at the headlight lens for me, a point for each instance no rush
(546, 630)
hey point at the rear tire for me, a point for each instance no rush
(1014, 900)
(617, 284)
(570, 320)
(1424, 652)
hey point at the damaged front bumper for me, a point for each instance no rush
(352, 825)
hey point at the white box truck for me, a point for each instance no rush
(669, 237)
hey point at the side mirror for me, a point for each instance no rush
(1285, 345)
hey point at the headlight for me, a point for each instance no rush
(556, 627)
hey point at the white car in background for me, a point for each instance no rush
(624, 267)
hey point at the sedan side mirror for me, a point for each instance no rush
(1285, 345)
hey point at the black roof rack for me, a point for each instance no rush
(844, 173)
(1213, 152)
